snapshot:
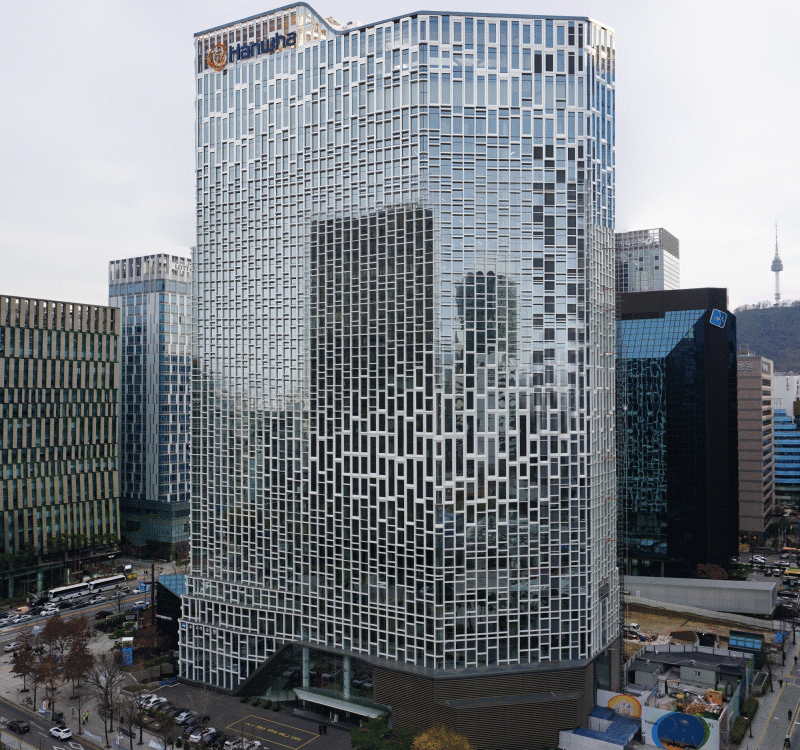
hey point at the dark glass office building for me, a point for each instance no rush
(677, 430)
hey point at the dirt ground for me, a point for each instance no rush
(655, 622)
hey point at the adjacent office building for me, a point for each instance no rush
(787, 456)
(647, 260)
(677, 430)
(403, 449)
(786, 400)
(153, 294)
(756, 447)
(785, 390)
(58, 448)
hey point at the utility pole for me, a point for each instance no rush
(153, 593)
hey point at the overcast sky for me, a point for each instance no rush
(96, 138)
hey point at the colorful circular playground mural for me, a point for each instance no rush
(676, 731)
(626, 705)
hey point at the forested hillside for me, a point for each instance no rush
(772, 332)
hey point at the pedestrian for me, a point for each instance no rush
(73, 712)
(790, 714)
(795, 659)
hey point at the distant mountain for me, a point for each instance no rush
(771, 332)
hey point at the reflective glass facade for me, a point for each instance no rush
(403, 440)
(647, 260)
(153, 294)
(787, 454)
(677, 402)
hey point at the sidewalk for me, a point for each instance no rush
(771, 723)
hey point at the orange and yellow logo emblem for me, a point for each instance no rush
(217, 56)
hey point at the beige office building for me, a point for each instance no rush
(756, 445)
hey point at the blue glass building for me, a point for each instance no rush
(677, 430)
(787, 455)
(152, 292)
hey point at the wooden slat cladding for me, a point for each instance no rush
(496, 712)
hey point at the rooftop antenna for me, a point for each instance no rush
(777, 267)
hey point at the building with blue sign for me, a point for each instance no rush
(153, 294)
(403, 449)
(677, 431)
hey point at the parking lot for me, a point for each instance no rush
(272, 733)
(274, 730)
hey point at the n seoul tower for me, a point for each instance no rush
(777, 267)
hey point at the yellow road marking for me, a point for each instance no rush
(257, 722)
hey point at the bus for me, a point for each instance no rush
(791, 577)
(73, 591)
(104, 584)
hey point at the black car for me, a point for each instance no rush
(18, 726)
(217, 742)
(212, 738)
(102, 614)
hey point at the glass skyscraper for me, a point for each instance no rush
(153, 294)
(403, 435)
(678, 452)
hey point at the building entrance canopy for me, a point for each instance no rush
(338, 703)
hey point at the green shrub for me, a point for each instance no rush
(179, 742)
(267, 703)
(739, 729)
(750, 707)
(276, 706)
(255, 701)
(244, 699)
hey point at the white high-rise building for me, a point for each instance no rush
(648, 260)
(403, 480)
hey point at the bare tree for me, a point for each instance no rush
(23, 665)
(54, 679)
(134, 712)
(105, 680)
(79, 659)
(81, 695)
(166, 729)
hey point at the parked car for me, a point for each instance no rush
(145, 697)
(171, 710)
(185, 717)
(13, 646)
(211, 737)
(218, 743)
(61, 733)
(97, 600)
(18, 726)
(155, 702)
(201, 733)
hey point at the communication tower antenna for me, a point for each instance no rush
(777, 267)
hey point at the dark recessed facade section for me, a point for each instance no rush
(677, 431)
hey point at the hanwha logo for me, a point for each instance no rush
(217, 56)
